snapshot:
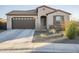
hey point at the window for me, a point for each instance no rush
(58, 19)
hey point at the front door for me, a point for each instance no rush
(43, 22)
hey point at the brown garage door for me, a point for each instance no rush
(23, 23)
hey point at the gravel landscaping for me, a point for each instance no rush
(45, 37)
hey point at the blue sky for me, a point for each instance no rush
(74, 9)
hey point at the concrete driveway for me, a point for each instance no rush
(16, 34)
(16, 39)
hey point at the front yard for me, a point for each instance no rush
(45, 37)
(69, 35)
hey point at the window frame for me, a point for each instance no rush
(54, 19)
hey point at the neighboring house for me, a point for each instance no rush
(40, 18)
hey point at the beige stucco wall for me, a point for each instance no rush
(42, 12)
(9, 21)
(50, 17)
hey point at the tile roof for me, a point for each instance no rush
(28, 12)
(60, 11)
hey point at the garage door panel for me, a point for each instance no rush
(23, 24)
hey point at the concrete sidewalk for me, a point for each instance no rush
(56, 48)
(44, 48)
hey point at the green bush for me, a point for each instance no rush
(71, 30)
(78, 31)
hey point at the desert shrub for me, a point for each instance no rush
(52, 29)
(78, 31)
(70, 30)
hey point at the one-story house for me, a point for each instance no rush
(40, 18)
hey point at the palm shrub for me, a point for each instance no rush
(71, 30)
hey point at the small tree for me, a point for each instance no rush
(70, 29)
